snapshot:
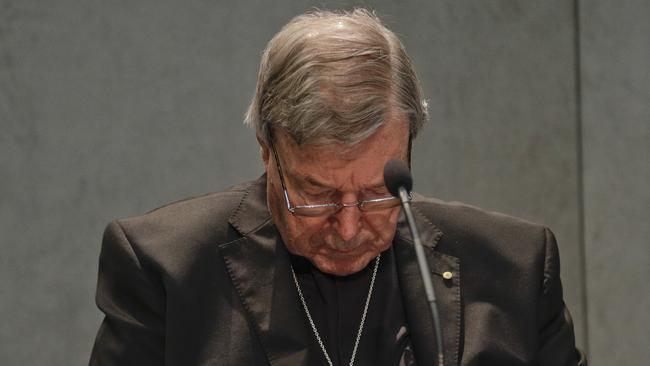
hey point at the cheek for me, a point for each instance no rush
(383, 226)
(305, 234)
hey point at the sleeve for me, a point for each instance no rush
(556, 336)
(133, 329)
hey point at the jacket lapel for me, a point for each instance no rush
(418, 315)
(259, 267)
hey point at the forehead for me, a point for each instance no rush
(338, 165)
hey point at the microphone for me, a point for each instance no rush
(399, 182)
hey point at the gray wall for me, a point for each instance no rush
(109, 109)
(615, 74)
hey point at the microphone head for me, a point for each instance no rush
(397, 174)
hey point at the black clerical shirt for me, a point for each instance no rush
(336, 306)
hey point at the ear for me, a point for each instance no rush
(265, 152)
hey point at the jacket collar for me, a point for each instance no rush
(252, 211)
(259, 266)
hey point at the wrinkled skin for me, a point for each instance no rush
(346, 242)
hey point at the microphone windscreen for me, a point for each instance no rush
(397, 174)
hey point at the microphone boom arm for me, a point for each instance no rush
(424, 271)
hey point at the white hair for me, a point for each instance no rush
(334, 76)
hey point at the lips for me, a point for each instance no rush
(341, 247)
(345, 250)
(334, 247)
(341, 251)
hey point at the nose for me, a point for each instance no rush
(348, 222)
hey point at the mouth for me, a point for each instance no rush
(342, 251)
(343, 247)
(345, 251)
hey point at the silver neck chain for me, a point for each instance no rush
(363, 316)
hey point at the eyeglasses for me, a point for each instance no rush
(327, 209)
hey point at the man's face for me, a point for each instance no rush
(342, 243)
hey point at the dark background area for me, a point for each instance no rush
(108, 109)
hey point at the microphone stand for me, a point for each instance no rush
(424, 271)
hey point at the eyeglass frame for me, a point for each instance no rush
(339, 206)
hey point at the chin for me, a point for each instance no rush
(344, 267)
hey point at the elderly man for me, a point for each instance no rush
(312, 264)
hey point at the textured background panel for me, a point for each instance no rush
(616, 130)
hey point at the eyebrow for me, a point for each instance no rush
(313, 181)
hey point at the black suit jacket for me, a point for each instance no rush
(206, 281)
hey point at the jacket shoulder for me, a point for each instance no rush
(455, 216)
(191, 222)
(470, 231)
